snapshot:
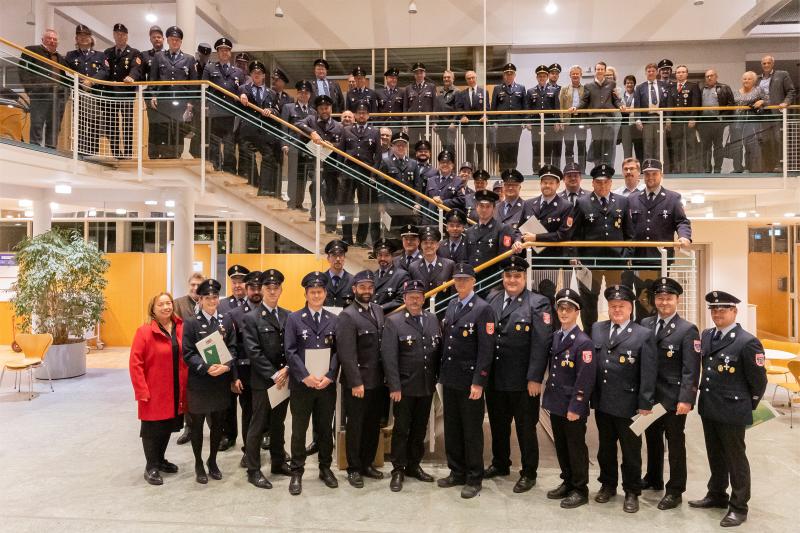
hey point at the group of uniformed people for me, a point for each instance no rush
(507, 353)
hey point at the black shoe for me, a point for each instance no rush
(649, 485)
(470, 491)
(265, 442)
(301, 208)
(396, 484)
(574, 499)
(313, 216)
(418, 473)
(296, 484)
(226, 444)
(330, 229)
(243, 462)
(213, 471)
(200, 474)
(355, 480)
(450, 481)
(493, 471)
(167, 467)
(312, 448)
(733, 519)
(670, 501)
(560, 492)
(257, 478)
(708, 503)
(153, 477)
(281, 469)
(606, 493)
(328, 478)
(631, 504)
(184, 437)
(524, 484)
(372, 473)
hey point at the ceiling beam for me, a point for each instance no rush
(212, 16)
(78, 15)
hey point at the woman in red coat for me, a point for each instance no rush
(159, 375)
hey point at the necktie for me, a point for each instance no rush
(258, 93)
(316, 318)
(459, 307)
(653, 97)
(651, 196)
(508, 301)
(212, 323)
(383, 273)
(360, 130)
(564, 335)
(603, 202)
(680, 87)
(225, 69)
(614, 331)
(409, 259)
(660, 325)
(419, 319)
(471, 92)
(453, 246)
(505, 209)
(430, 268)
(336, 280)
(325, 87)
(717, 337)
(275, 314)
(119, 52)
(572, 198)
(305, 111)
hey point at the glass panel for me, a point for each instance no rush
(253, 238)
(11, 234)
(760, 241)
(104, 234)
(203, 231)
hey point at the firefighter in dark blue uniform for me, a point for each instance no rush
(454, 246)
(733, 382)
(507, 96)
(541, 97)
(230, 77)
(361, 94)
(263, 343)
(253, 138)
(570, 383)
(340, 282)
(431, 269)
(522, 337)
(85, 60)
(418, 97)
(124, 64)
(390, 98)
(411, 348)
(398, 165)
(155, 121)
(389, 279)
(312, 327)
(678, 345)
(510, 210)
(467, 352)
(626, 382)
(488, 238)
(236, 273)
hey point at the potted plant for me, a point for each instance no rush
(59, 290)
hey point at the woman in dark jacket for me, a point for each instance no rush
(158, 375)
(209, 382)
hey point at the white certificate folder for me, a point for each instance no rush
(318, 361)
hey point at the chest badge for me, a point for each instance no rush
(670, 352)
(665, 214)
(305, 334)
(409, 340)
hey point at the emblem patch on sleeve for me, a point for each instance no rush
(546, 318)
(569, 222)
(697, 346)
(587, 356)
(490, 328)
(507, 240)
(760, 359)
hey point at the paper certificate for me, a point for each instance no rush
(642, 422)
(323, 152)
(533, 226)
(318, 361)
(213, 349)
(277, 396)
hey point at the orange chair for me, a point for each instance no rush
(34, 348)
(792, 388)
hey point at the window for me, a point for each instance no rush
(203, 231)
(104, 235)
(11, 234)
(148, 237)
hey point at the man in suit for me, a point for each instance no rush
(323, 86)
(454, 247)
(734, 382)
(445, 127)
(678, 349)
(92, 63)
(47, 99)
(509, 95)
(390, 97)
(226, 76)
(402, 168)
(323, 129)
(467, 353)
(511, 209)
(473, 98)
(683, 133)
(312, 327)
(359, 329)
(172, 65)
(599, 216)
(778, 85)
(411, 348)
(253, 139)
(626, 382)
(389, 279)
(523, 331)
(263, 342)
(711, 126)
(361, 94)
(362, 141)
(651, 94)
(418, 97)
(431, 269)
(543, 96)
(571, 124)
(124, 64)
(570, 383)
(601, 94)
(301, 163)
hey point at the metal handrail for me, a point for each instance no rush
(564, 244)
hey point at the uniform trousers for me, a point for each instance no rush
(362, 427)
(672, 426)
(265, 418)
(321, 404)
(523, 409)
(463, 435)
(572, 452)
(612, 429)
(575, 134)
(727, 459)
(222, 136)
(508, 146)
(711, 149)
(411, 416)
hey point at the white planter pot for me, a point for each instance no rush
(64, 361)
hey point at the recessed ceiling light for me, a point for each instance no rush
(151, 18)
(551, 7)
(9, 216)
(63, 188)
(28, 213)
(25, 203)
(709, 215)
(741, 214)
(789, 215)
(53, 206)
(169, 203)
(170, 213)
(150, 202)
(92, 213)
(121, 211)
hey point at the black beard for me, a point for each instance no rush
(364, 298)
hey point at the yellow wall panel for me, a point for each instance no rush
(202, 252)
(5, 323)
(124, 298)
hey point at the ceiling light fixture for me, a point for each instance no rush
(121, 211)
(741, 214)
(28, 213)
(25, 203)
(151, 18)
(30, 18)
(92, 213)
(551, 8)
(53, 206)
(412, 7)
(170, 214)
(150, 202)
(63, 188)
(790, 215)
(169, 203)
(279, 10)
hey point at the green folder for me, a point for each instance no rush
(211, 355)
(763, 413)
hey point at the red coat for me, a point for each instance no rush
(151, 372)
